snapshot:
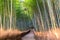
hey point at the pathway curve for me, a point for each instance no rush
(29, 36)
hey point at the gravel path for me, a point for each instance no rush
(29, 36)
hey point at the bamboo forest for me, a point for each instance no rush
(29, 19)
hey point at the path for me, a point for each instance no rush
(29, 36)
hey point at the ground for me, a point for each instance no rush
(29, 36)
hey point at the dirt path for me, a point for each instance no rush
(29, 36)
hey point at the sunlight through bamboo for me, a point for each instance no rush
(11, 16)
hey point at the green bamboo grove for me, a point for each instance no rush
(23, 14)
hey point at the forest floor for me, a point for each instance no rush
(15, 35)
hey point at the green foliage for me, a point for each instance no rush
(31, 4)
(23, 11)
